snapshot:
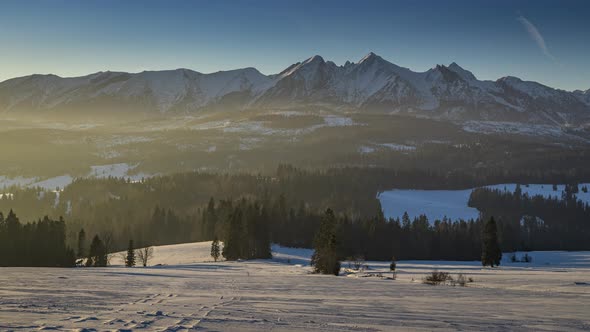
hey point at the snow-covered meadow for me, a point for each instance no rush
(436, 204)
(190, 292)
(120, 170)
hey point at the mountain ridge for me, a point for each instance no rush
(372, 84)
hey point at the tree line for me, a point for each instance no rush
(561, 222)
(180, 208)
(40, 243)
(168, 209)
(328, 250)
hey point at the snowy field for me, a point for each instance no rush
(121, 170)
(193, 293)
(436, 204)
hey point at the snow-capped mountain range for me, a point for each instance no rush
(370, 85)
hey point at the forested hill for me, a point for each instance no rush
(126, 208)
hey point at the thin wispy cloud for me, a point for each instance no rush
(535, 35)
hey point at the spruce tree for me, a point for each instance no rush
(490, 251)
(130, 259)
(15, 243)
(215, 249)
(325, 256)
(233, 240)
(209, 219)
(97, 255)
(81, 243)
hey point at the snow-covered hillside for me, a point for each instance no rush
(199, 252)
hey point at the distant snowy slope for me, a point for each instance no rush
(175, 254)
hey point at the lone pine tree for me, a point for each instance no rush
(215, 252)
(130, 259)
(490, 250)
(97, 255)
(325, 255)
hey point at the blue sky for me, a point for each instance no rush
(545, 41)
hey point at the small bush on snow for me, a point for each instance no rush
(437, 278)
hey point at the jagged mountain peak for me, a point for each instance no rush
(369, 57)
(315, 59)
(442, 72)
(308, 66)
(465, 74)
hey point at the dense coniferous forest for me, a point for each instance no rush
(536, 223)
(40, 243)
(246, 231)
(287, 208)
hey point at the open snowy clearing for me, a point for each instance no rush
(436, 204)
(281, 294)
(121, 170)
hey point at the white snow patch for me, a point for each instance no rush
(258, 127)
(513, 128)
(398, 147)
(300, 256)
(120, 170)
(338, 121)
(545, 190)
(211, 125)
(435, 204)
(366, 149)
(53, 183)
(19, 181)
(6, 196)
(565, 259)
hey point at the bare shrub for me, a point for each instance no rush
(358, 262)
(437, 278)
(145, 254)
